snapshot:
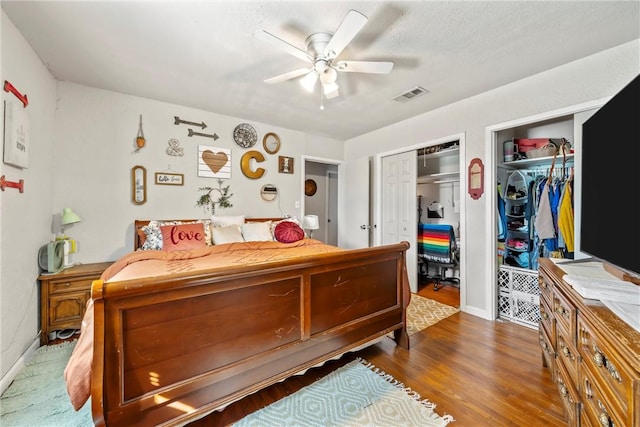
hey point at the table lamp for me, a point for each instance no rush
(68, 217)
(310, 222)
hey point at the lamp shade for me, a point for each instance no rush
(310, 222)
(69, 217)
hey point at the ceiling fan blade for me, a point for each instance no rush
(364, 67)
(347, 30)
(283, 45)
(288, 76)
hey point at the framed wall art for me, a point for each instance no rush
(285, 164)
(164, 178)
(16, 135)
(214, 162)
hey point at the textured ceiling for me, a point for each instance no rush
(203, 54)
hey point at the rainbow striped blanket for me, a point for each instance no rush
(435, 242)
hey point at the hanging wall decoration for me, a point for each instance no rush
(174, 148)
(245, 164)
(476, 178)
(8, 87)
(271, 143)
(16, 135)
(208, 135)
(245, 135)
(285, 164)
(214, 162)
(177, 121)
(140, 141)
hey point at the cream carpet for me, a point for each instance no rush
(357, 394)
(424, 312)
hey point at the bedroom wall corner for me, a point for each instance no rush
(25, 220)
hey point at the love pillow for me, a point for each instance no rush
(181, 237)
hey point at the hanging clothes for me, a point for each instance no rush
(544, 218)
(565, 218)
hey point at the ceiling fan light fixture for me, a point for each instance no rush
(308, 82)
(329, 88)
(328, 76)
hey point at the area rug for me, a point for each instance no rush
(423, 312)
(357, 394)
(38, 394)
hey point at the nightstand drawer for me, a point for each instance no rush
(69, 286)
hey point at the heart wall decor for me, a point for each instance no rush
(214, 162)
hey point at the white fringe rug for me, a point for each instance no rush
(357, 394)
(38, 394)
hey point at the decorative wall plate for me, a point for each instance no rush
(310, 187)
(245, 135)
(271, 143)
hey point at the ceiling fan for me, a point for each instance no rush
(322, 52)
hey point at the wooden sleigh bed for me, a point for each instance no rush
(171, 348)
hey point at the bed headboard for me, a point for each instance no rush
(139, 223)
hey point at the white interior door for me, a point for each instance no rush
(399, 206)
(354, 224)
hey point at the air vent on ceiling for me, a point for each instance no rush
(411, 94)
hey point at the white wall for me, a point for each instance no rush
(588, 79)
(95, 133)
(25, 216)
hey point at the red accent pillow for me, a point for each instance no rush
(182, 237)
(288, 232)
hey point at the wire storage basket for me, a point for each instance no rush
(519, 296)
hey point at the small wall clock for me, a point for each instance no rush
(271, 143)
(245, 135)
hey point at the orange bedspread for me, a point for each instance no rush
(141, 264)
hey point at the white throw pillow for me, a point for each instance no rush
(257, 231)
(224, 221)
(228, 234)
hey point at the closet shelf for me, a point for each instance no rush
(540, 161)
(441, 153)
(439, 178)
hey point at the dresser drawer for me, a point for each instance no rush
(548, 351)
(565, 316)
(546, 318)
(568, 355)
(546, 286)
(62, 286)
(568, 394)
(597, 410)
(613, 376)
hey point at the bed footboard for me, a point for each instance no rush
(169, 350)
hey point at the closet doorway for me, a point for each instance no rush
(397, 208)
(320, 192)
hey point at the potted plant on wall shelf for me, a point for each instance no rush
(208, 202)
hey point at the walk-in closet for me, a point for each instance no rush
(536, 207)
(438, 202)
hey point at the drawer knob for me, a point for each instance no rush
(601, 361)
(604, 420)
(566, 352)
(587, 389)
(563, 391)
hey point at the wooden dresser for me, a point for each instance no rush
(64, 295)
(593, 355)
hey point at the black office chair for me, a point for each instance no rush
(437, 248)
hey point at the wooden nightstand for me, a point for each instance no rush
(64, 295)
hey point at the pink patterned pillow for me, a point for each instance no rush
(288, 232)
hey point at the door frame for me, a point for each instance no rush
(491, 136)
(304, 158)
(377, 204)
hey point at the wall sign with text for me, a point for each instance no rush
(164, 178)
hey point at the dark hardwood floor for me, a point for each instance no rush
(483, 373)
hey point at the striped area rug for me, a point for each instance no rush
(357, 394)
(424, 312)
